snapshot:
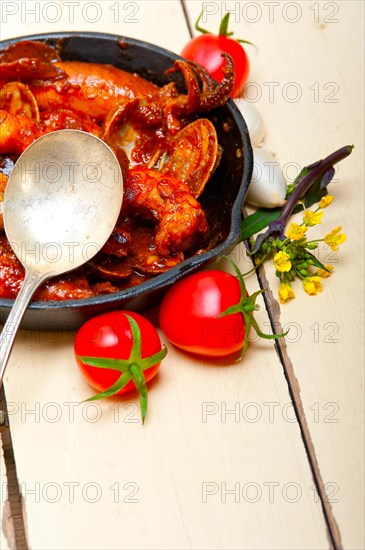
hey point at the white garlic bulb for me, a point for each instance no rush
(253, 119)
(267, 188)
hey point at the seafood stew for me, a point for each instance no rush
(179, 145)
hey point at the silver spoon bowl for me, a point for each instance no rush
(61, 204)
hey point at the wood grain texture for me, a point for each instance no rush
(322, 62)
(14, 528)
(7, 536)
(170, 466)
(103, 481)
(138, 19)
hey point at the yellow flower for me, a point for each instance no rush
(335, 238)
(326, 201)
(312, 218)
(324, 274)
(312, 285)
(296, 232)
(286, 293)
(282, 262)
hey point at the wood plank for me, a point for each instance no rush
(7, 536)
(103, 481)
(171, 463)
(12, 517)
(329, 78)
(138, 19)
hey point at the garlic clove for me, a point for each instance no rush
(254, 120)
(268, 187)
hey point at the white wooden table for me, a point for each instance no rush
(264, 454)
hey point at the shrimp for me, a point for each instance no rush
(169, 202)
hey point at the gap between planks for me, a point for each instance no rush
(14, 493)
(185, 12)
(273, 310)
(14, 502)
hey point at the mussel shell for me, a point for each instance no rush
(222, 198)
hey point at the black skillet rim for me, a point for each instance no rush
(190, 264)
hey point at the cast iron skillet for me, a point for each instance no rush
(222, 199)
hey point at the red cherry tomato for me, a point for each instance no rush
(210, 313)
(110, 336)
(189, 314)
(207, 49)
(119, 352)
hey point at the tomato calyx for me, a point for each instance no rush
(223, 29)
(246, 306)
(130, 369)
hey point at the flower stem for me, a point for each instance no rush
(307, 181)
(322, 171)
(256, 266)
(315, 241)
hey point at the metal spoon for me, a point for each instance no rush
(61, 204)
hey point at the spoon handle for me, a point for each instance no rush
(31, 282)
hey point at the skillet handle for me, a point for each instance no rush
(31, 282)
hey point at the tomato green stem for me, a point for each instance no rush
(197, 24)
(115, 388)
(130, 369)
(246, 306)
(223, 29)
(140, 382)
